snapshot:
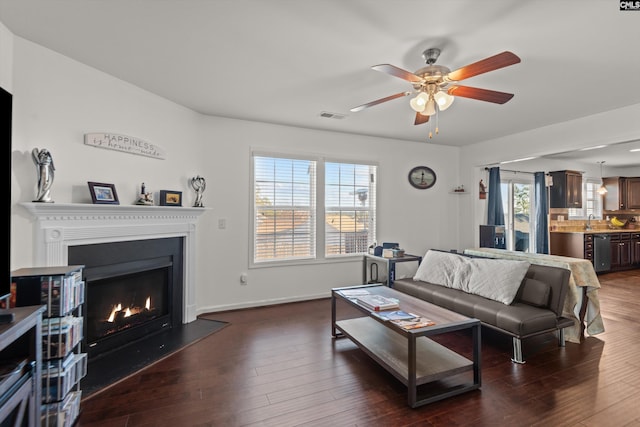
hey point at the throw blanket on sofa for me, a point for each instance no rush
(494, 279)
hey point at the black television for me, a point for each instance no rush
(6, 103)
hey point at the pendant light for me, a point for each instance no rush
(602, 190)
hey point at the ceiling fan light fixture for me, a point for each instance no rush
(443, 99)
(419, 102)
(430, 108)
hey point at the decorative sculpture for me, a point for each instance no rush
(483, 190)
(144, 198)
(45, 169)
(199, 184)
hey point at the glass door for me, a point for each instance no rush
(518, 204)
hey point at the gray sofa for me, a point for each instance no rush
(535, 309)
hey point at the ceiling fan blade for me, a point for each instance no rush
(495, 62)
(420, 119)
(480, 94)
(398, 72)
(379, 101)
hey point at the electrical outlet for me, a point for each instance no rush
(222, 223)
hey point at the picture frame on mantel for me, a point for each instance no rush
(103, 193)
(170, 198)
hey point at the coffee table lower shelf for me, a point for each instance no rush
(390, 349)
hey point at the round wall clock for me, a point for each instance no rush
(422, 177)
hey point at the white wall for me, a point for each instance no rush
(417, 219)
(58, 100)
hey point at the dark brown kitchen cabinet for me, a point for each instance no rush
(635, 248)
(566, 191)
(620, 250)
(633, 193)
(623, 193)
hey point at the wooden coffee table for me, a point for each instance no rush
(409, 355)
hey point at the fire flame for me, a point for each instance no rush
(129, 311)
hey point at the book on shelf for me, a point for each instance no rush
(416, 323)
(395, 315)
(377, 302)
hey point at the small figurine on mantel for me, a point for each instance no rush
(199, 184)
(144, 198)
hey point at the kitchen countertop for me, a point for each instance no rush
(600, 231)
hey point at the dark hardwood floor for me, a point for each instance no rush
(279, 366)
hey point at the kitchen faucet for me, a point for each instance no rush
(588, 226)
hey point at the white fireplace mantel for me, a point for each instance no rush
(60, 225)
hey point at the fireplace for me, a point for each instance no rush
(133, 290)
(101, 233)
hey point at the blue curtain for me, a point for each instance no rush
(542, 226)
(495, 214)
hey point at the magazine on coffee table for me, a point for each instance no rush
(395, 315)
(418, 322)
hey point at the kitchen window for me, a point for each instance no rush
(591, 201)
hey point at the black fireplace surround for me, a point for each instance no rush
(144, 278)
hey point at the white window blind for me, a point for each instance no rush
(350, 207)
(284, 208)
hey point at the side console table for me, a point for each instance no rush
(390, 264)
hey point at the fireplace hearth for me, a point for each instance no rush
(134, 289)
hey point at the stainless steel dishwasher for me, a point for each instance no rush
(601, 252)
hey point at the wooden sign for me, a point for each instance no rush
(127, 144)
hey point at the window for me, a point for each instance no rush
(294, 198)
(284, 208)
(349, 208)
(591, 201)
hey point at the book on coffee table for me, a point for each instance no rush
(377, 302)
(353, 293)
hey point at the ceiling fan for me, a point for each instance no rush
(436, 85)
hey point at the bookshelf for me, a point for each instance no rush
(20, 360)
(60, 291)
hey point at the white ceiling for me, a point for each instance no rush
(287, 61)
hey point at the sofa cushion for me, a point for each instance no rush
(535, 293)
(496, 279)
(518, 319)
(440, 268)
